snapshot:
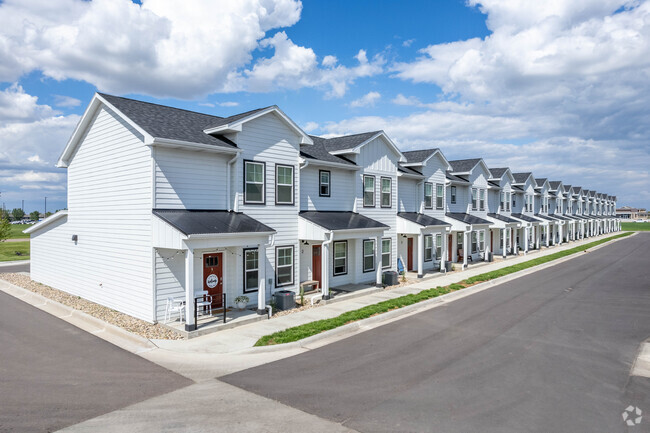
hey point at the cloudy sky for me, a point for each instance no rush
(560, 88)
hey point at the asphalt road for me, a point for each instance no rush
(549, 352)
(53, 374)
(18, 267)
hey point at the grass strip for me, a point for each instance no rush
(635, 227)
(10, 251)
(308, 329)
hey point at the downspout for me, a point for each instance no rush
(228, 179)
(326, 277)
(269, 244)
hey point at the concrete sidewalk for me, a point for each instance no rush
(243, 338)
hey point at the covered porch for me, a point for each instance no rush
(528, 234)
(468, 238)
(504, 227)
(343, 248)
(208, 262)
(422, 242)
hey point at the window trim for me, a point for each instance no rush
(438, 245)
(329, 183)
(441, 187)
(263, 164)
(473, 244)
(474, 198)
(481, 240)
(334, 258)
(363, 256)
(390, 253)
(481, 199)
(293, 265)
(244, 270)
(425, 195)
(293, 185)
(390, 192)
(430, 259)
(453, 194)
(374, 190)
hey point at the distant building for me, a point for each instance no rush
(631, 213)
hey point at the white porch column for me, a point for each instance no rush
(189, 289)
(443, 250)
(548, 233)
(503, 242)
(378, 279)
(325, 272)
(465, 243)
(525, 240)
(486, 239)
(561, 234)
(420, 254)
(538, 237)
(261, 279)
(513, 241)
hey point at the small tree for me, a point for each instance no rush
(4, 214)
(18, 214)
(5, 227)
(48, 214)
(34, 215)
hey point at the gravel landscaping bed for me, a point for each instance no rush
(124, 321)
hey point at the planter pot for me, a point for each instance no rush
(241, 305)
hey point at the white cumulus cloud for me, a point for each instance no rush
(367, 100)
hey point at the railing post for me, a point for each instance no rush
(224, 306)
(195, 314)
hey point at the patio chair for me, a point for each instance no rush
(174, 306)
(203, 301)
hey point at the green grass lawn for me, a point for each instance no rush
(8, 251)
(308, 329)
(636, 227)
(16, 231)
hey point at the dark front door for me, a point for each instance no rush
(213, 277)
(449, 248)
(409, 254)
(316, 264)
(492, 241)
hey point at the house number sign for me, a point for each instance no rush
(212, 281)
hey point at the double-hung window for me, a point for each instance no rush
(474, 199)
(368, 191)
(481, 201)
(368, 255)
(428, 195)
(340, 258)
(254, 175)
(251, 269)
(508, 201)
(428, 248)
(440, 196)
(453, 194)
(386, 192)
(438, 246)
(514, 201)
(284, 266)
(481, 240)
(474, 245)
(503, 201)
(386, 253)
(284, 184)
(324, 181)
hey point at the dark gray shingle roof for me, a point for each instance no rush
(195, 222)
(421, 219)
(415, 156)
(347, 141)
(463, 165)
(467, 218)
(540, 182)
(455, 178)
(171, 123)
(226, 120)
(503, 218)
(555, 184)
(318, 151)
(333, 220)
(521, 177)
(497, 173)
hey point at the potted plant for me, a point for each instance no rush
(241, 301)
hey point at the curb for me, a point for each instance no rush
(97, 327)
(384, 318)
(14, 263)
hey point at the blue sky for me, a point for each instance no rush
(557, 88)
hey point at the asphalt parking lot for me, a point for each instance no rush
(549, 352)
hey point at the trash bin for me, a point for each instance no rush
(448, 266)
(489, 258)
(284, 300)
(391, 278)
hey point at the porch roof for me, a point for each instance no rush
(467, 218)
(200, 222)
(546, 217)
(421, 219)
(503, 218)
(341, 220)
(526, 218)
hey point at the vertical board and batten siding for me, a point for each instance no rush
(377, 158)
(478, 179)
(190, 180)
(435, 173)
(109, 202)
(268, 139)
(341, 192)
(407, 193)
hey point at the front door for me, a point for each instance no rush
(409, 254)
(213, 277)
(316, 264)
(491, 241)
(449, 248)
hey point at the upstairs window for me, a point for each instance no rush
(254, 178)
(284, 184)
(440, 196)
(508, 202)
(368, 191)
(502, 206)
(453, 195)
(428, 195)
(474, 199)
(386, 192)
(368, 255)
(481, 199)
(514, 201)
(428, 248)
(324, 179)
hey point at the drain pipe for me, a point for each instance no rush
(228, 171)
(269, 244)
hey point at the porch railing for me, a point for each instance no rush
(196, 309)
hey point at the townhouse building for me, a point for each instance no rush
(165, 203)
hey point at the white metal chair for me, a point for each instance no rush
(174, 306)
(203, 301)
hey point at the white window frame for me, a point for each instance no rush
(428, 248)
(382, 193)
(344, 258)
(246, 270)
(291, 185)
(440, 196)
(474, 242)
(474, 194)
(428, 198)
(481, 240)
(481, 199)
(364, 256)
(389, 253)
(365, 190)
(438, 246)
